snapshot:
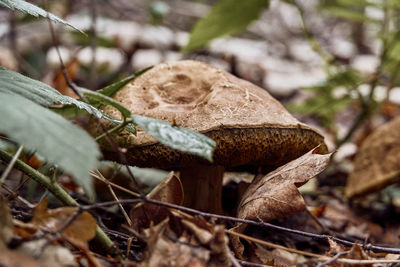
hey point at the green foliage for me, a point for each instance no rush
(32, 10)
(96, 98)
(176, 137)
(325, 104)
(113, 88)
(225, 18)
(347, 9)
(84, 41)
(14, 83)
(53, 137)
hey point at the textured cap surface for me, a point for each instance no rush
(250, 127)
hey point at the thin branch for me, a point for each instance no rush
(333, 259)
(115, 129)
(58, 232)
(128, 220)
(95, 175)
(320, 257)
(366, 105)
(249, 222)
(93, 44)
(14, 195)
(252, 264)
(272, 245)
(11, 164)
(234, 261)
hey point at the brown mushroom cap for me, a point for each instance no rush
(250, 127)
(377, 163)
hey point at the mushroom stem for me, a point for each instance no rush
(202, 186)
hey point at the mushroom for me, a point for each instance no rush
(253, 131)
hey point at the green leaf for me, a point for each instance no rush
(225, 18)
(14, 83)
(178, 138)
(70, 112)
(96, 98)
(33, 10)
(53, 137)
(113, 88)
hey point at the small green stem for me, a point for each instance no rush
(116, 128)
(101, 238)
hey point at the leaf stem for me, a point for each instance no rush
(101, 238)
(112, 130)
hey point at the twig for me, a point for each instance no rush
(313, 41)
(112, 130)
(249, 222)
(272, 245)
(320, 257)
(333, 259)
(11, 164)
(365, 112)
(16, 196)
(95, 175)
(128, 220)
(93, 44)
(234, 261)
(58, 232)
(13, 38)
(252, 264)
(279, 228)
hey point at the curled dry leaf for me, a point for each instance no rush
(170, 191)
(275, 195)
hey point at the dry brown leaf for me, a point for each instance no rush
(334, 248)
(357, 253)
(79, 232)
(377, 164)
(275, 195)
(163, 251)
(169, 191)
(59, 81)
(275, 257)
(6, 225)
(186, 241)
